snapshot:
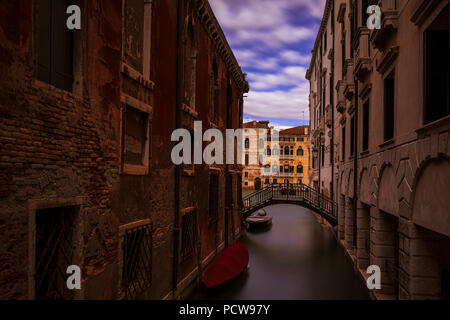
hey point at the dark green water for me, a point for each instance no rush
(296, 259)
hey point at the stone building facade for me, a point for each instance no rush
(86, 119)
(294, 156)
(390, 119)
(255, 137)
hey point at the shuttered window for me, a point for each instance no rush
(54, 44)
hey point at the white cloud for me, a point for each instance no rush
(264, 21)
(262, 35)
(291, 56)
(292, 104)
(285, 77)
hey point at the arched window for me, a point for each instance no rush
(268, 151)
(286, 150)
(275, 168)
(275, 150)
(300, 151)
(247, 143)
(299, 168)
(291, 151)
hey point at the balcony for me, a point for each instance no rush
(349, 89)
(287, 157)
(340, 106)
(389, 23)
(363, 64)
(289, 175)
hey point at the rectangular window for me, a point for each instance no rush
(343, 143)
(136, 138)
(366, 118)
(55, 251)
(188, 234)
(247, 160)
(55, 44)
(137, 260)
(323, 155)
(352, 137)
(214, 197)
(437, 83)
(389, 106)
(364, 14)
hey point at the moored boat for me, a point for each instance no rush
(259, 218)
(228, 265)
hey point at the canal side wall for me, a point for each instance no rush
(104, 148)
(392, 172)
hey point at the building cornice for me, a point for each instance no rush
(322, 28)
(209, 22)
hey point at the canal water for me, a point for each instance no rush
(296, 259)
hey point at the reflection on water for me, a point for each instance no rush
(297, 258)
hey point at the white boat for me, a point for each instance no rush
(259, 218)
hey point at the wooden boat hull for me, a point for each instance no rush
(228, 265)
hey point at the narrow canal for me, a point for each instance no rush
(296, 259)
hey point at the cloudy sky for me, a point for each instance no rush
(272, 41)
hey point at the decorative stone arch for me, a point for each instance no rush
(342, 183)
(364, 190)
(430, 195)
(387, 193)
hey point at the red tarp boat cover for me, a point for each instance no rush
(226, 266)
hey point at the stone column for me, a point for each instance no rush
(363, 235)
(383, 251)
(349, 223)
(420, 274)
(341, 217)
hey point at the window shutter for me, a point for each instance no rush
(44, 25)
(62, 48)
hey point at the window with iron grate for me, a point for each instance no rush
(136, 260)
(55, 251)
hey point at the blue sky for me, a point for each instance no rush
(272, 41)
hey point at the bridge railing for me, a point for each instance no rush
(291, 192)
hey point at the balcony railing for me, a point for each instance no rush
(287, 157)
